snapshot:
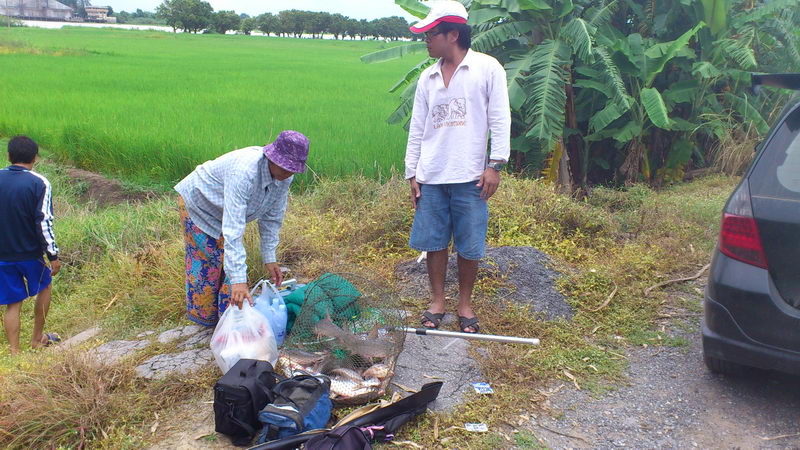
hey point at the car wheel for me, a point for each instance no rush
(717, 365)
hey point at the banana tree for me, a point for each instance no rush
(623, 87)
(743, 37)
(636, 115)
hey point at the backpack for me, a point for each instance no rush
(301, 403)
(346, 437)
(238, 397)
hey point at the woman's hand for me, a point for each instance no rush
(275, 274)
(239, 293)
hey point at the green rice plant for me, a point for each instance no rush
(150, 106)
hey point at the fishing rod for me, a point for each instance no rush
(474, 336)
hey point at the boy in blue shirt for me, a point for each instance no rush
(26, 235)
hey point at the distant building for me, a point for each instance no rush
(99, 14)
(35, 9)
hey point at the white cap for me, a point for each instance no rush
(441, 11)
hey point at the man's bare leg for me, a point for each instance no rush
(437, 269)
(467, 273)
(40, 314)
(11, 324)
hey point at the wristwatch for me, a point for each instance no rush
(498, 166)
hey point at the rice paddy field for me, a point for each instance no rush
(149, 106)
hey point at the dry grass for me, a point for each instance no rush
(69, 400)
(733, 155)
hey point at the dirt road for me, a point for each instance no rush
(672, 401)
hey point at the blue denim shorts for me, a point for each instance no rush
(451, 211)
(22, 279)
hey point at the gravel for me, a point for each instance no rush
(672, 401)
(528, 279)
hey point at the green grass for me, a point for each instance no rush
(149, 106)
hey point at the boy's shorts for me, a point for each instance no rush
(446, 211)
(22, 279)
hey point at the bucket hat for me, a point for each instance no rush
(289, 151)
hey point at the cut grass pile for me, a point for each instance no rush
(149, 106)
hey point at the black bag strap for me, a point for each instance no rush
(254, 384)
(246, 426)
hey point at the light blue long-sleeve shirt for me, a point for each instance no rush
(224, 194)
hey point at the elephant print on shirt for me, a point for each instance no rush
(451, 114)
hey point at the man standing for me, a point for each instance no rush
(216, 201)
(458, 102)
(26, 235)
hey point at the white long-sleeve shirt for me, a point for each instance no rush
(447, 140)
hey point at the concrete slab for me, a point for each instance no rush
(81, 337)
(178, 333)
(441, 359)
(161, 366)
(112, 352)
(201, 339)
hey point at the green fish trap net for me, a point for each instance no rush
(348, 328)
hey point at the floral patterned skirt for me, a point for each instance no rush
(207, 286)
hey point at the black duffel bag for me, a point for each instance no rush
(239, 396)
(341, 438)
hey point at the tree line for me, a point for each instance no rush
(193, 16)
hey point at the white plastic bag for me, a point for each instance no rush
(243, 334)
(270, 304)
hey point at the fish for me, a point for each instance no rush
(371, 347)
(303, 358)
(380, 371)
(344, 388)
(371, 382)
(297, 360)
(349, 374)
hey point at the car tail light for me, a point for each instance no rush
(739, 238)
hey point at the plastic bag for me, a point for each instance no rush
(270, 303)
(243, 333)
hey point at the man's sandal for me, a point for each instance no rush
(434, 318)
(469, 322)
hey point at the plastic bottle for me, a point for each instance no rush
(271, 305)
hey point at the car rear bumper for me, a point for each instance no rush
(724, 339)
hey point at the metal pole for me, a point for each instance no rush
(475, 336)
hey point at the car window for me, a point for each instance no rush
(777, 172)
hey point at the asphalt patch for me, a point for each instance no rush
(526, 278)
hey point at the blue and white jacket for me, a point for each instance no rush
(26, 215)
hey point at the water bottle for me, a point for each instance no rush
(271, 305)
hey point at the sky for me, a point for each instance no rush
(357, 9)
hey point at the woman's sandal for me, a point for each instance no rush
(52, 338)
(434, 318)
(469, 322)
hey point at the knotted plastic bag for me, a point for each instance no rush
(243, 333)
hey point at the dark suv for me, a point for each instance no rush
(752, 302)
